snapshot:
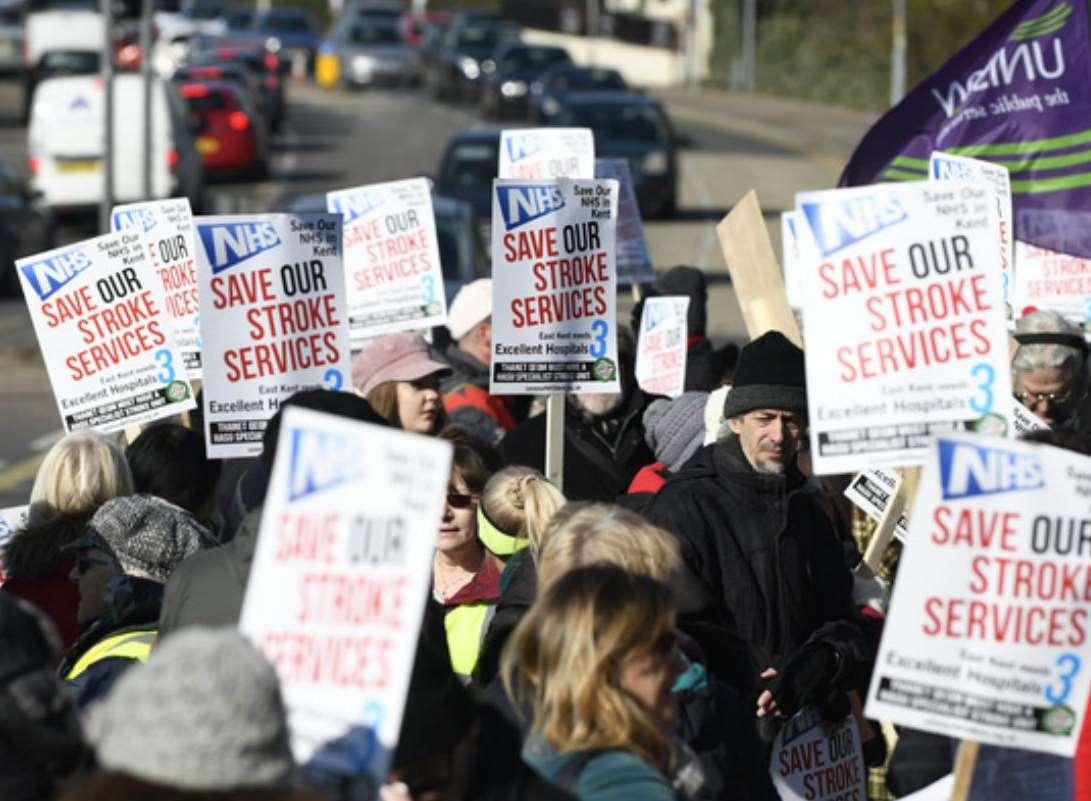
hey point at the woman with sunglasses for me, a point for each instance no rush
(399, 376)
(594, 662)
(465, 576)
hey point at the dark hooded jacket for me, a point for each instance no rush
(763, 571)
(601, 456)
(518, 588)
(37, 571)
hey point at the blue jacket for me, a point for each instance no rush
(606, 776)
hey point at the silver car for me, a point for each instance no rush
(373, 53)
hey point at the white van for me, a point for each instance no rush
(66, 143)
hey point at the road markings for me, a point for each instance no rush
(19, 474)
(46, 440)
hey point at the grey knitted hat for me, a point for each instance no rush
(204, 713)
(147, 535)
(675, 429)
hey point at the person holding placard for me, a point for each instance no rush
(399, 376)
(765, 588)
(1049, 370)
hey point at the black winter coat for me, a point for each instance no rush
(600, 457)
(763, 571)
(518, 588)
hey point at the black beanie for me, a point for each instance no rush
(769, 375)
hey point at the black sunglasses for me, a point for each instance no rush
(459, 501)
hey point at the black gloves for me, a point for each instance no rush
(806, 678)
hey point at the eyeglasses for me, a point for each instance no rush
(1034, 398)
(459, 501)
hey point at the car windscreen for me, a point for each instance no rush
(480, 36)
(584, 80)
(618, 123)
(202, 103)
(288, 23)
(375, 34)
(240, 20)
(530, 58)
(449, 232)
(470, 167)
(70, 62)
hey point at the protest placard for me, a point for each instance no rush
(167, 226)
(538, 154)
(987, 631)
(1052, 281)
(904, 313)
(634, 262)
(661, 347)
(393, 278)
(947, 167)
(812, 761)
(273, 320)
(341, 572)
(872, 490)
(11, 520)
(554, 287)
(789, 245)
(102, 325)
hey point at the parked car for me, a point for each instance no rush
(467, 169)
(374, 9)
(264, 67)
(416, 26)
(22, 227)
(466, 56)
(229, 133)
(239, 18)
(515, 66)
(293, 29)
(547, 94)
(462, 256)
(633, 127)
(11, 39)
(60, 41)
(372, 52)
(65, 143)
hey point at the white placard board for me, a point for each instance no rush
(393, 277)
(986, 638)
(340, 576)
(273, 320)
(554, 287)
(101, 319)
(167, 225)
(871, 491)
(661, 346)
(946, 167)
(540, 154)
(904, 313)
(815, 761)
(1046, 280)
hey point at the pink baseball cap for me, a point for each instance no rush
(395, 357)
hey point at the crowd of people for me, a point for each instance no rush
(640, 633)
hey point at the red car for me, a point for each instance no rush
(230, 136)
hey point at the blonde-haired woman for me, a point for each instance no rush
(593, 663)
(516, 506)
(79, 473)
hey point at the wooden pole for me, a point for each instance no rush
(965, 762)
(554, 454)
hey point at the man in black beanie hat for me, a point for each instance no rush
(764, 587)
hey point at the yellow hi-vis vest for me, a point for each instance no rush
(466, 625)
(127, 645)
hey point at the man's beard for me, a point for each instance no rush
(599, 404)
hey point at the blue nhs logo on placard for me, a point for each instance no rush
(950, 169)
(228, 244)
(142, 220)
(319, 460)
(356, 204)
(521, 204)
(969, 470)
(836, 224)
(48, 275)
(522, 146)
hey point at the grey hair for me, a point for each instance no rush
(1038, 356)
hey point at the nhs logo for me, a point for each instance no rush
(950, 169)
(523, 146)
(521, 204)
(320, 460)
(836, 224)
(969, 470)
(228, 244)
(352, 206)
(142, 220)
(49, 275)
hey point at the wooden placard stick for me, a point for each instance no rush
(755, 273)
(965, 762)
(554, 451)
